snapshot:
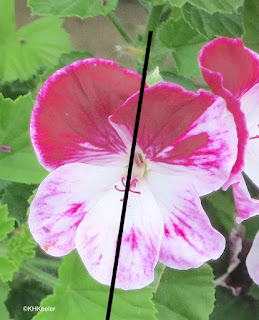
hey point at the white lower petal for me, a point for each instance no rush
(252, 161)
(62, 201)
(97, 235)
(252, 261)
(189, 238)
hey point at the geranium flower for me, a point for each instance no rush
(82, 128)
(232, 71)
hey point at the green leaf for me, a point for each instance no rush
(25, 293)
(254, 291)
(78, 296)
(16, 196)
(7, 23)
(7, 269)
(18, 88)
(213, 25)
(211, 6)
(182, 81)
(21, 245)
(68, 58)
(12, 252)
(251, 23)
(230, 307)
(21, 164)
(6, 224)
(221, 210)
(186, 43)
(71, 8)
(185, 295)
(38, 44)
(4, 290)
(252, 227)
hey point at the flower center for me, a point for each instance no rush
(139, 171)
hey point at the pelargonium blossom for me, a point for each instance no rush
(81, 129)
(232, 71)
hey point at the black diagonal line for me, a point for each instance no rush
(126, 194)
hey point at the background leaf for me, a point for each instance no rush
(25, 293)
(6, 223)
(21, 246)
(230, 307)
(251, 22)
(7, 22)
(221, 210)
(185, 295)
(21, 164)
(214, 25)
(38, 44)
(16, 196)
(4, 290)
(211, 6)
(7, 267)
(186, 43)
(68, 8)
(79, 296)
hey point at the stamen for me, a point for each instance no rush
(254, 137)
(132, 184)
(117, 188)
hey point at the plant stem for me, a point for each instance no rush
(39, 275)
(119, 27)
(46, 263)
(159, 278)
(154, 19)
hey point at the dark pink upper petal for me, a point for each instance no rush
(182, 132)
(230, 69)
(227, 64)
(70, 119)
(62, 201)
(189, 238)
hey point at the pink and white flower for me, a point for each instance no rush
(82, 127)
(232, 71)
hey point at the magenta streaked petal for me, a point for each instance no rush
(247, 207)
(189, 238)
(70, 119)
(96, 239)
(184, 132)
(252, 260)
(62, 201)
